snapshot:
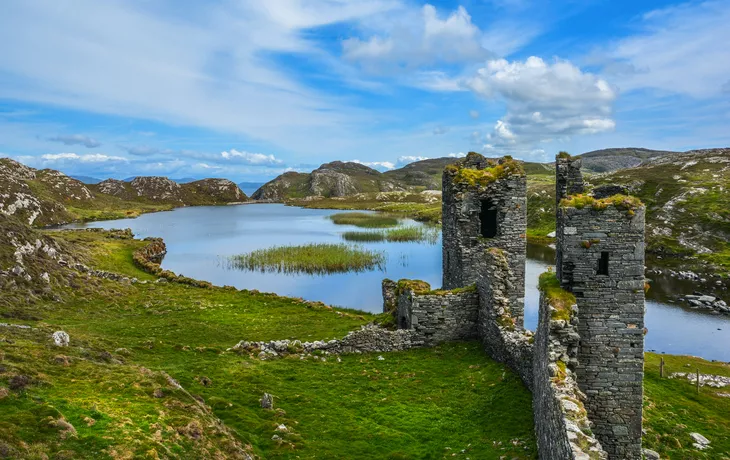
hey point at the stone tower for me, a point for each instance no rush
(484, 206)
(568, 181)
(601, 250)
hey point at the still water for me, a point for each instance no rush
(200, 240)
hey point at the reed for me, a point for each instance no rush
(311, 259)
(364, 220)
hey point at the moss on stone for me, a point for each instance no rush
(561, 300)
(417, 286)
(580, 201)
(563, 156)
(473, 177)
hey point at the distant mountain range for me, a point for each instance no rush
(338, 179)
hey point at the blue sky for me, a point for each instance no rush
(247, 89)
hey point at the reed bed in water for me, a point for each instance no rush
(364, 220)
(401, 234)
(310, 258)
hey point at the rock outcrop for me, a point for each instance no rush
(335, 179)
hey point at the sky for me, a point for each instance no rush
(249, 89)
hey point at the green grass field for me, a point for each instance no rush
(111, 384)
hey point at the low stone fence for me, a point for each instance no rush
(434, 316)
(368, 339)
(562, 427)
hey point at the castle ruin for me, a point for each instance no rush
(584, 363)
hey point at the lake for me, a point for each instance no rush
(200, 240)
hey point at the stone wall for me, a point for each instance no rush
(602, 247)
(437, 316)
(503, 337)
(469, 187)
(562, 427)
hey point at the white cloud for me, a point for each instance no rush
(437, 131)
(209, 67)
(474, 114)
(86, 158)
(76, 139)
(404, 160)
(680, 49)
(254, 159)
(143, 150)
(456, 155)
(411, 39)
(376, 164)
(544, 102)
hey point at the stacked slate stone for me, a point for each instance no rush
(568, 181)
(562, 427)
(436, 316)
(504, 339)
(602, 251)
(484, 206)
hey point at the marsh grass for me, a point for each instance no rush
(364, 220)
(311, 259)
(396, 235)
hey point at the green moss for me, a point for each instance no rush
(482, 177)
(561, 300)
(625, 202)
(563, 156)
(417, 286)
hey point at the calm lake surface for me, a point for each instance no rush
(200, 240)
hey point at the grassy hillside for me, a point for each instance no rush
(148, 373)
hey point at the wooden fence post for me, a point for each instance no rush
(661, 368)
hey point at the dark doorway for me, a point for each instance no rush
(488, 218)
(603, 264)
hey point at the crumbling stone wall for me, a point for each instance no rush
(469, 188)
(562, 427)
(504, 339)
(602, 247)
(437, 316)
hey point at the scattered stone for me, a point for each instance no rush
(61, 339)
(380, 358)
(276, 438)
(700, 442)
(89, 421)
(267, 401)
(65, 428)
(19, 382)
(282, 428)
(158, 393)
(650, 454)
(62, 360)
(4, 392)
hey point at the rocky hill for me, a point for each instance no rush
(607, 160)
(336, 179)
(687, 199)
(49, 197)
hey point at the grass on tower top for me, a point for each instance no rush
(507, 166)
(560, 299)
(310, 258)
(363, 219)
(580, 201)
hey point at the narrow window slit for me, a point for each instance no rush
(603, 264)
(488, 219)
